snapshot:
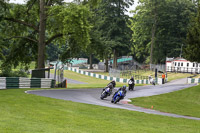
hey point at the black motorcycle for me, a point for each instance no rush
(131, 85)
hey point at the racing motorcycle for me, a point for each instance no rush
(118, 96)
(106, 92)
(152, 81)
(131, 85)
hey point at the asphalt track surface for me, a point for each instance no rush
(92, 96)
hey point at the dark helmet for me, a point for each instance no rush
(113, 81)
(124, 87)
(132, 77)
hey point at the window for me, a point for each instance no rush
(193, 64)
(179, 64)
(187, 64)
(182, 64)
(196, 64)
(175, 63)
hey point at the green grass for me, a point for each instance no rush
(170, 76)
(91, 81)
(99, 83)
(183, 102)
(27, 113)
(174, 76)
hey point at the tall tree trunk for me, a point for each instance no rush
(153, 31)
(114, 59)
(106, 64)
(152, 41)
(41, 44)
(91, 61)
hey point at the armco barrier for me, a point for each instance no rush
(145, 81)
(193, 80)
(16, 82)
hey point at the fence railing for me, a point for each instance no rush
(159, 67)
(126, 73)
(114, 73)
(182, 69)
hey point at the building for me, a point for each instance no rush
(182, 65)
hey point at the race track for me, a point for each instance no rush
(92, 96)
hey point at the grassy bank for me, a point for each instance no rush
(27, 113)
(90, 82)
(183, 102)
(170, 76)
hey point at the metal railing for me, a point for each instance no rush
(182, 69)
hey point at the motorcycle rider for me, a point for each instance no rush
(151, 80)
(111, 85)
(123, 88)
(133, 82)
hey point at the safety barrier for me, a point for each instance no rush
(193, 80)
(122, 80)
(19, 82)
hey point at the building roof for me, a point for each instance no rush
(180, 59)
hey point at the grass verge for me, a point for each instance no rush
(184, 102)
(27, 113)
(91, 82)
(170, 76)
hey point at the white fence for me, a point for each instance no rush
(183, 69)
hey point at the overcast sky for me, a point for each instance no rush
(23, 1)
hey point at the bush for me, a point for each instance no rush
(10, 73)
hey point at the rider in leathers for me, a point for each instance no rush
(133, 82)
(111, 85)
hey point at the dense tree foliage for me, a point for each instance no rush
(191, 51)
(41, 28)
(163, 24)
(30, 31)
(112, 24)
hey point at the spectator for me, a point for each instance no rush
(163, 78)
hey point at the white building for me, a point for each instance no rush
(182, 65)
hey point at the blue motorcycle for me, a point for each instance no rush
(118, 96)
(106, 92)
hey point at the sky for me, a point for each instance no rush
(131, 8)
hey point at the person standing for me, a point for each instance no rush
(163, 78)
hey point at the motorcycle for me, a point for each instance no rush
(106, 92)
(118, 96)
(131, 85)
(152, 81)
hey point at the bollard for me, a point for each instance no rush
(66, 83)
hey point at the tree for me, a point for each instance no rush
(113, 27)
(191, 52)
(55, 22)
(160, 31)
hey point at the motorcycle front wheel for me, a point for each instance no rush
(103, 96)
(117, 99)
